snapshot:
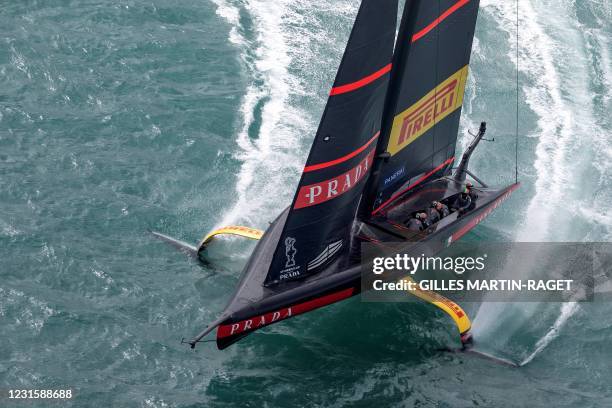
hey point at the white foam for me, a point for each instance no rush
(567, 310)
(273, 157)
(8, 229)
(231, 14)
(555, 83)
(600, 30)
(555, 78)
(602, 218)
(26, 310)
(556, 120)
(594, 208)
(266, 60)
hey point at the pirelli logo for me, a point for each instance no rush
(412, 123)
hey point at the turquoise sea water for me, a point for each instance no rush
(117, 117)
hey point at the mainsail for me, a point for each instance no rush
(318, 226)
(423, 108)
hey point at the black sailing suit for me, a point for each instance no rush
(414, 225)
(443, 211)
(433, 215)
(462, 202)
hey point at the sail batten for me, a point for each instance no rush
(423, 32)
(319, 166)
(338, 90)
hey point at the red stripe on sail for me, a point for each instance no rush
(438, 20)
(361, 83)
(341, 159)
(416, 183)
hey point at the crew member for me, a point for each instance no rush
(472, 192)
(463, 201)
(442, 209)
(473, 196)
(414, 223)
(424, 220)
(433, 215)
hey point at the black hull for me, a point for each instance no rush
(254, 306)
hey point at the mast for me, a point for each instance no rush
(402, 49)
(423, 106)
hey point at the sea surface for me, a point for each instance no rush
(120, 117)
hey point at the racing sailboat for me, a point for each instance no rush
(383, 151)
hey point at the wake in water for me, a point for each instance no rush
(564, 76)
(567, 310)
(269, 127)
(278, 43)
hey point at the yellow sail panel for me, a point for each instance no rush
(461, 319)
(415, 121)
(238, 230)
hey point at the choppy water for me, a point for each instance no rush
(121, 116)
